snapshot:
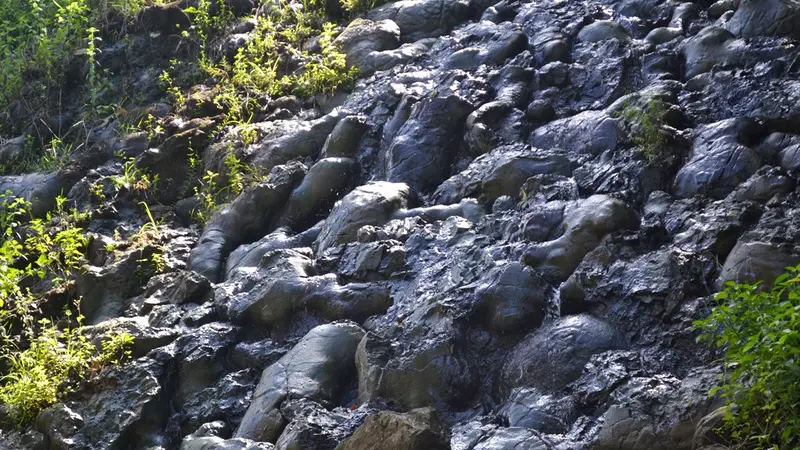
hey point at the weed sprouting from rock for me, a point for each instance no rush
(647, 122)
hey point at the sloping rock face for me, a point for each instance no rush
(499, 239)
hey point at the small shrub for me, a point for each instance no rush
(52, 157)
(759, 332)
(133, 179)
(649, 120)
(212, 193)
(53, 364)
(39, 375)
(45, 361)
(39, 37)
(262, 66)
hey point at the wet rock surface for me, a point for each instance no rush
(499, 239)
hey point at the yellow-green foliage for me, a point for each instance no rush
(211, 194)
(759, 332)
(53, 364)
(262, 66)
(360, 6)
(649, 120)
(39, 37)
(44, 360)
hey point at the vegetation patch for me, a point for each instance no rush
(647, 122)
(45, 359)
(758, 332)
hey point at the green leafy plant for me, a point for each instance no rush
(648, 121)
(262, 67)
(758, 331)
(38, 38)
(45, 361)
(117, 348)
(39, 375)
(360, 6)
(208, 195)
(134, 179)
(52, 157)
(175, 93)
(53, 365)
(212, 194)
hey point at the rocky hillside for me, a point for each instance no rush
(430, 224)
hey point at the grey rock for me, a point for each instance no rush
(257, 354)
(371, 261)
(511, 299)
(227, 400)
(554, 74)
(589, 132)
(281, 141)
(467, 208)
(602, 30)
(502, 171)
(216, 443)
(425, 146)
(420, 19)
(418, 429)
(714, 99)
(202, 360)
(245, 220)
(325, 182)
(715, 228)
(11, 149)
(363, 36)
(170, 161)
(166, 18)
(177, 288)
(548, 187)
(554, 355)
(541, 111)
(388, 59)
(129, 406)
(313, 426)
(345, 137)
(721, 159)
(499, 121)
(249, 255)
(710, 429)
(476, 436)
(371, 204)
(318, 368)
(431, 367)
(284, 284)
(755, 18)
(216, 428)
(529, 408)
(663, 35)
(495, 44)
(765, 184)
(40, 189)
(790, 157)
(655, 412)
(722, 6)
(710, 47)
(552, 44)
(646, 288)
(105, 291)
(145, 338)
(756, 261)
(30, 440)
(583, 226)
